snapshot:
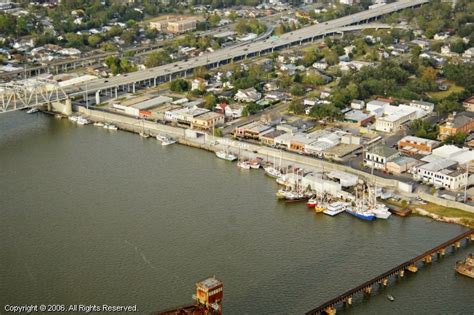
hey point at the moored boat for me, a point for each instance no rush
(254, 164)
(319, 208)
(381, 211)
(312, 202)
(226, 156)
(167, 141)
(144, 135)
(272, 172)
(360, 213)
(110, 127)
(466, 266)
(243, 165)
(32, 110)
(335, 208)
(99, 124)
(82, 121)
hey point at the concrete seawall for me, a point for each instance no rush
(135, 125)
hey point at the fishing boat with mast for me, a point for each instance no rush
(226, 155)
(271, 170)
(360, 209)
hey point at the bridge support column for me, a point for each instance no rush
(402, 273)
(348, 300)
(428, 259)
(385, 282)
(412, 268)
(457, 244)
(331, 310)
(133, 88)
(116, 92)
(97, 97)
(368, 290)
(441, 252)
(471, 237)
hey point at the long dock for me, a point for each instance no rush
(383, 280)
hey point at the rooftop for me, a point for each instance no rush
(208, 283)
(383, 151)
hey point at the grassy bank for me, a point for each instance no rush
(437, 212)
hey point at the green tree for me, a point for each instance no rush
(210, 101)
(156, 59)
(179, 85)
(296, 107)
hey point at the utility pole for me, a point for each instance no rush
(467, 181)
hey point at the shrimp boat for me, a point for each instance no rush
(226, 156)
(381, 211)
(335, 208)
(361, 213)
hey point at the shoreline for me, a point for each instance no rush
(467, 222)
(134, 125)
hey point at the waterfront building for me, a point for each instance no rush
(411, 145)
(379, 157)
(207, 121)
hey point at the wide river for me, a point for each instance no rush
(90, 216)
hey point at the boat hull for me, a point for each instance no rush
(366, 217)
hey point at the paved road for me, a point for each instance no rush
(256, 47)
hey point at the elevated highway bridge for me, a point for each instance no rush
(151, 77)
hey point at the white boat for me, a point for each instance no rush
(82, 121)
(73, 118)
(254, 164)
(32, 110)
(144, 135)
(272, 172)
(99, 124)
(110, 127)
(167, 141)
(335, 208)
(282, 180)
(381, 211)
(226, 156)
(244, 165)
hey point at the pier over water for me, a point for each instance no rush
(399, 271)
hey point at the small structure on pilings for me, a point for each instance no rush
(466, 267)
(383, 280)
(209, 294)
(22, 94)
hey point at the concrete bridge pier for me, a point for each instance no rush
(97, 97)
(368, 290)
(412, 268)
(402, 273)
(330, 310)
(59, 107)
(348, 300)
(442, 252)
(428, 259)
